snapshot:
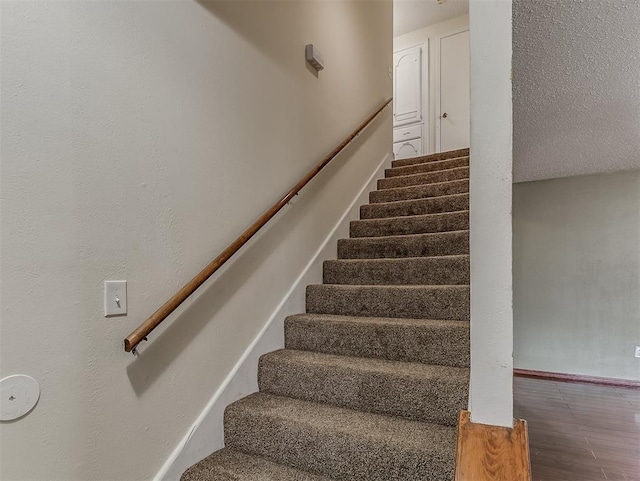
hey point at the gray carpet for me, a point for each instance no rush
(451, 154)
(456, 173)
(420, 191)
(401, 208)
(414, 224)
(414, 245)
(426, 341)
(428, 167)
(373, 375)
(450, 270)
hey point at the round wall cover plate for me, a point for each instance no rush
(19, 394)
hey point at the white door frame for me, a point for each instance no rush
(437, 79)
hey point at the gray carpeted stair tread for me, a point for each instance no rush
(411, 390)
(427, 167)
(410, 224)
(429, 205)
(231, 465)
(451, 270)
(427, 302)
(431, 157)
(420, 191)
(427, 178)
(412, 245)
(341, 443)
(428, 341)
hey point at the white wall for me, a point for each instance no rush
(419, 37)
(576, 263)
(138, 139)
(491, 397)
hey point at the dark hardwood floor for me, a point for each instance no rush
(580, 432)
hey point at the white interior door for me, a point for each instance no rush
(452, 93)
(407, 93)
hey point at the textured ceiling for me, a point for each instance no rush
(576, 83)
(409, 15)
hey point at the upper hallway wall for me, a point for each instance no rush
(138, 140)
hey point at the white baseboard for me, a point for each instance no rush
(206, 434)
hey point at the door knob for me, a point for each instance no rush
(445, 115)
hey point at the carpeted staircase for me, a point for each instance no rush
(373, 376)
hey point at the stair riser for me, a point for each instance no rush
(343, 456)
(427, 167)
(431, 157)
(428, 245)
(445, 344)
(371, 301)
(429, 178)
(434, 205)
(417, 397)
(230, 465)
(419, 191)
(410, 225)
(427, 271)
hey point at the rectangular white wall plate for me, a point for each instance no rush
(115, 298)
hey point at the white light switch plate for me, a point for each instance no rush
(115, 298)
(637, 351)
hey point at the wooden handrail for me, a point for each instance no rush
(143, 330)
